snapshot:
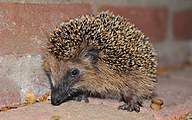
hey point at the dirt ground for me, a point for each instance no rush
(71, 110)
(174, 88)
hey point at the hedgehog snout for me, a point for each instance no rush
(57, 99)
(58, 96)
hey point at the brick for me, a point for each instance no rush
(9, 93)
(152, 21)
(24, 25)
(182, 25)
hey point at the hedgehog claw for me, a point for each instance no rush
(132, 101)
(129, 108)
(139, 103)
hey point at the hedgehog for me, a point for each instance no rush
(100, 55)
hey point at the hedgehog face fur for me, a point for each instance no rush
(100, 55)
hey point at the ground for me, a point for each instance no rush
(174, 88)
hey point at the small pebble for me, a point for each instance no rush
(49, 97)
(157, 101)
(55, 117)
(155, 106)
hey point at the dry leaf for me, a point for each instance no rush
(55, 117)
(8, 108)
(30, 98)
(41, 98)
(44, 97)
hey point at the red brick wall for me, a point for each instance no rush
(23, 26)
(182, 24)
(152, 21)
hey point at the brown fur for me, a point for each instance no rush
(96, 79)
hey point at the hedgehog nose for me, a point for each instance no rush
(55, 101)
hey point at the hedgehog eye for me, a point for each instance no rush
(74, 72)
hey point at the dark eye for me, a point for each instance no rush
(74, 72)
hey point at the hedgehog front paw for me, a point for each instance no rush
(81, 97)
(131, 106)
(132, 101)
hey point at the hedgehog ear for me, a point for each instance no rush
(90, 54)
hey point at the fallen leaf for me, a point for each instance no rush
(30, 98)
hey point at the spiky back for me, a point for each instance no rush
(124, 46)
